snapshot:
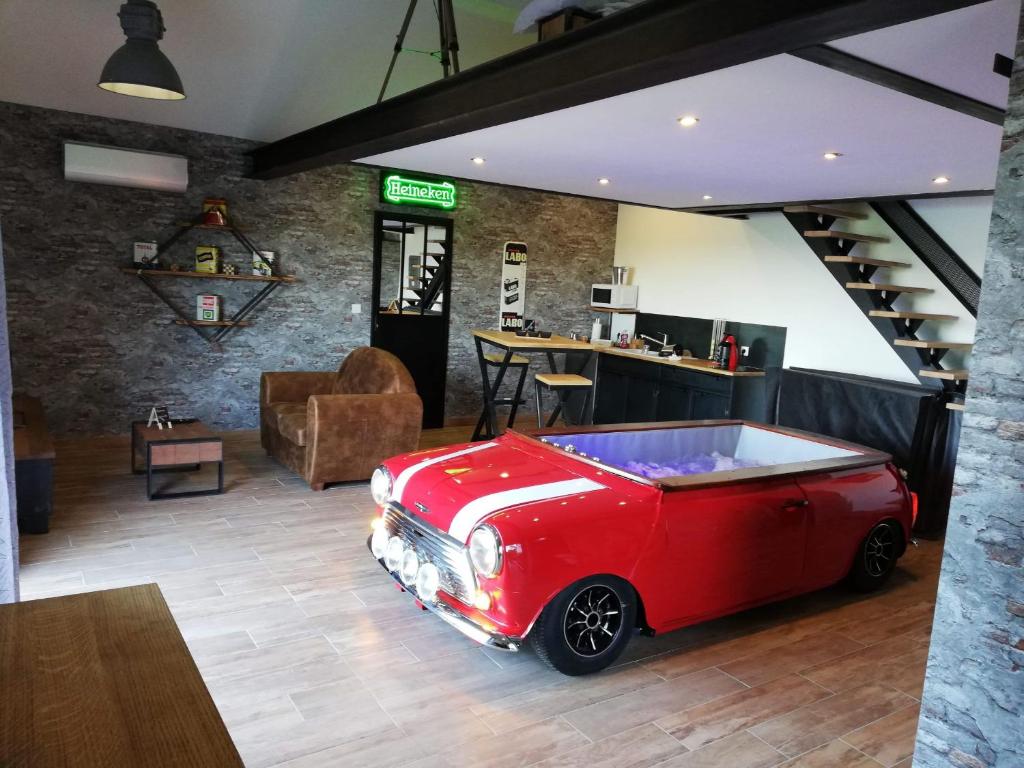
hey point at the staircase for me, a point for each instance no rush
(426, 279)
(876, 298)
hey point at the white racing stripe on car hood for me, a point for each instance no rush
(471, 514)
(406, 474)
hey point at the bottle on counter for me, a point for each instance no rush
(728, 355)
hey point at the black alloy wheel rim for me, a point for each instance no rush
(593, 620)
(879, 550)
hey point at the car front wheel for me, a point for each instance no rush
(587, 626)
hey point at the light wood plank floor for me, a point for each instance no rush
(315, 659)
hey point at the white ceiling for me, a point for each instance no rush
(258, 69)
(764, 127)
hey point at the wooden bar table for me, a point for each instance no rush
(511, 344)
(104, 680)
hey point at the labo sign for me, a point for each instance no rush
(403, 190)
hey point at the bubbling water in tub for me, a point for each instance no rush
(690, 465)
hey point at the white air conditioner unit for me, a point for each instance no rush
(98, 164)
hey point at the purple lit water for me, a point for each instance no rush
(691, 465)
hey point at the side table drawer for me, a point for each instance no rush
(169, 454)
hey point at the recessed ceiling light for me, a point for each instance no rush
(478, 160)
(832, 155)
(940, 180)
(604, 182)
(708, 197)
(688, 121)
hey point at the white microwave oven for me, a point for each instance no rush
(613, 296)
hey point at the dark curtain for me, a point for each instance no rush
(908, 421)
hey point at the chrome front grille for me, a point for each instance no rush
(434, 546)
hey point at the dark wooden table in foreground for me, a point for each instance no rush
(104, 679)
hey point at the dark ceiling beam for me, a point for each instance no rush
(748, 208)
(848, 64)
(655, 42)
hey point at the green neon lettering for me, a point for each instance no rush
(402, 191)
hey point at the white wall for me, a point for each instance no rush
(962, 222)
(761, 271)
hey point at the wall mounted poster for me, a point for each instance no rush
(513, 287)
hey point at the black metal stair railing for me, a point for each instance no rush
(932, 250)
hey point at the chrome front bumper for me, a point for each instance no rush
(455, 619)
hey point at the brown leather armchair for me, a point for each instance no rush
(334, 427)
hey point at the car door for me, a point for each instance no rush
(734, 545)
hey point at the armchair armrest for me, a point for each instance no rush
(349, 435)
(294, 386)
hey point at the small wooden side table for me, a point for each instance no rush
(184, 447)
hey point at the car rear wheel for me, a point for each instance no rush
(876, 557)
(587, 626)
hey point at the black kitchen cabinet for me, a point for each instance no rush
(640, 390)
(710, 405)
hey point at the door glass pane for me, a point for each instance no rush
(391, 265)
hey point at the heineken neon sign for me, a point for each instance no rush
(401, 190)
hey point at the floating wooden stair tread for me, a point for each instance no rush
(919, 344)
(851, 236)
(893, 314)
(887, 287)
(865, 261)
(956, 406)
(953, 374)
(208, 275)
(824, 210)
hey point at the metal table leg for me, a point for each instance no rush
(489, 415)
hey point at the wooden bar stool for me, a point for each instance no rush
(563, 384)
(520, 363)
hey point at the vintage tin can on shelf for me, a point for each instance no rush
(263, 263)
(207, 258)
(208, 307)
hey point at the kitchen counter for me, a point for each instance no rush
(687, 363)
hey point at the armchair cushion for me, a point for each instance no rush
(292, 426)
(279, 411)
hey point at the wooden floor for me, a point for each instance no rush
(315, 659)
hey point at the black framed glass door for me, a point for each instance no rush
(412, 300)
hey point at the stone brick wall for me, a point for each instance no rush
(99, 348)
(8, 502)
(973, 705)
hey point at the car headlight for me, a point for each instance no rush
(380, 486)
(393, 553)
(428, 580)
(379, 541)
(409, 567)
(485, 551)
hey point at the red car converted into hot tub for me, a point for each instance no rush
(577, 538)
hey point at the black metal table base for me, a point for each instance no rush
(189, 467)
(489, 415)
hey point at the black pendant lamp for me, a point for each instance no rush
(139, 67)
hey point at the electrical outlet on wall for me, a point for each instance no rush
(357, 309)
(744, 351)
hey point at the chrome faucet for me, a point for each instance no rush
(664, 343)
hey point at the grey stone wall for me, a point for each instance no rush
(8, 501)
(99, 348)
(973, 705)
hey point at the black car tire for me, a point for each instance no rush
(876, 557)
(587, 625)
